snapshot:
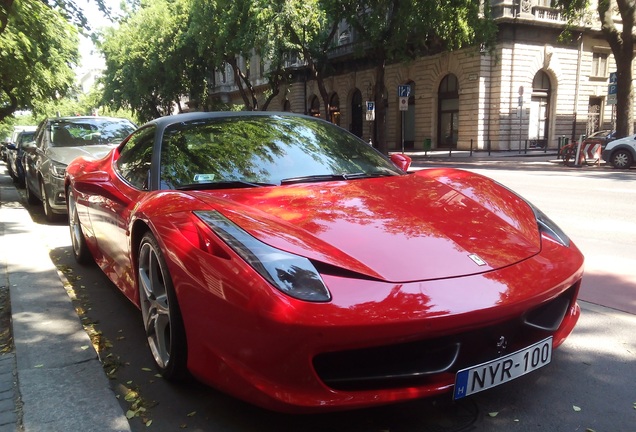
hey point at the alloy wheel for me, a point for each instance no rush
(155, 306)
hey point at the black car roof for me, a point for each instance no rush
(163, 122)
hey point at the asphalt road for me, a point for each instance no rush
(589, 385)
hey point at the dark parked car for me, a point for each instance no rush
(601, 137)
(57, 142)
(15, 156)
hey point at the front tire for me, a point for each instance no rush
(78, 241)
(48, 211)
(621, 159)
(160, 311)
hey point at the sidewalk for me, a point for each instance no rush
(52, 380)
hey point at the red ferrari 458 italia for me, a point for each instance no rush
(281, 259)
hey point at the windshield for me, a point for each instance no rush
(88, 131)
(265, 150)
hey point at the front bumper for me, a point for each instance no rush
(376, 342)
(606, 154)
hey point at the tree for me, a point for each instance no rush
(38, 50)
(392, 31)
(304, 26)
(225, 30)
(145, 65)
(621, 41)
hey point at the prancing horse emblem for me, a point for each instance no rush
(502, 344)
(477, 259)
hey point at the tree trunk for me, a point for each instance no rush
(624, 97)
(379, 140)
(238, 81)
(11, 107)
(622, 43)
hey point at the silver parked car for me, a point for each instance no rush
(57, 142)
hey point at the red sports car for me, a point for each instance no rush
(281, 259)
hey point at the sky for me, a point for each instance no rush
(90, 57)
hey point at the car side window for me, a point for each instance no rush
(39, 135)
(135, 158)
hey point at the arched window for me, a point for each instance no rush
(539, 110)
(334, 109)
(314, 109)
(286, 105)
(448, 112)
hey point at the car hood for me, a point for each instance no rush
(429, 225)
(66, 154)
(629, 140)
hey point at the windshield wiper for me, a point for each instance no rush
(229, 184)
(323, 177)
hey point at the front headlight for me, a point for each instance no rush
(547, 226)
(57, 169)
(294, 275)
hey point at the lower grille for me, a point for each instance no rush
(421, 362)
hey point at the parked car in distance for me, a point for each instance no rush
(283, 260)
(57, 142)
(601, 137)
(4, 152)
(620, 153)
(16, 154)
(4, 147)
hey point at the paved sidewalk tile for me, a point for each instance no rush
(8, 412)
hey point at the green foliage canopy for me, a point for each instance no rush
(38, 51)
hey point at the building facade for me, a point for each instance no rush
(531, 91)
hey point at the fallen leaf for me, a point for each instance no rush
(38, 365)
(493, 414)
(84, 347)
(148, 423)
(130, 414)
(145, 369)
(192, 414)
(575, 408)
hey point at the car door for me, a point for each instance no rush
(31, 158)
(111, 213)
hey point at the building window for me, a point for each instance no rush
(334, 109)
(539, 111)
(314, 109)
(448, 112)
(599, 65)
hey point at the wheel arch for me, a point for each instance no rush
(137, 232)
(627, 147)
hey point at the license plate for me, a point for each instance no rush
(490, 374)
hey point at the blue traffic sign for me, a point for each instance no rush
(612, 78)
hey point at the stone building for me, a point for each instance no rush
(532, 90)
